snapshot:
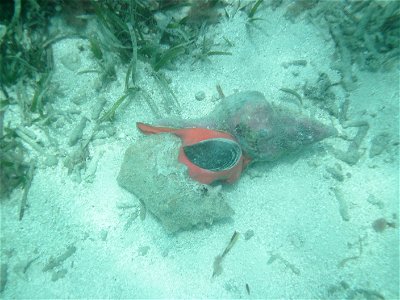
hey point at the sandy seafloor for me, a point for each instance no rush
(300, 244)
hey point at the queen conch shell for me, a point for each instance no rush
(265, 132)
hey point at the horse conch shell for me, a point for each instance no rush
(265, 132)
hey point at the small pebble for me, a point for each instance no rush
(165, 252)
(71, 61)
(79, 98)
(380, 225)
(51, 160)
(168, 79)
(143, 250)
(3, 276)
(375, 201)
(59, 274)
(379, 143)
(103, 234)
(248, 234)
(215, 98)
(110, 130)
(336, 172)
(97, 108)
(200, 96)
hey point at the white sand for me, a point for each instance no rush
(289, 205)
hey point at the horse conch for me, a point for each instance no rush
(169, 170)
(265, 132)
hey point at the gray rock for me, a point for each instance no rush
(200, 96)
(151, 171)
(378, 144)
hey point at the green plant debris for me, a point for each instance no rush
(168, 55)
(41, 88)
(379, 143)
(25, 63)
(170, 102)
(142, 211)
(110, 114)
(132, 217)
(353, 155)
(77, 132)
(322, 95)
(3, 276)
(205, 49)
(27, 186)
(108, 73)
(344, 261)
(56, 275)
(27, 132)
(98, 108)
(372, 199)
(88, 71)
(59, 37)
(111, 25)
(211, 53)
(344, 290)
(293, 93)
(217, 267)
(133, 63)
(150, 102)
(134, 30)
(336, 172)
(29, 140)
(22, 57)
(57, 261)
(22, 267)
(287, 264)
(343, 208)
(123, 205)
(129, 75)
(296, 8)
(95, 47)
(220, 91)
(77, 159)
(365, 294)
(247, 288)
(132, 211)
(342, 116)
(228, 42)
(253, 10)
(296, 63)
(91, 167)
(14, 168)
(366, 33)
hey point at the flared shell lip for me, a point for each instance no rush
(230, 172)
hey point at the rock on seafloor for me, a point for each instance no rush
(151, 171)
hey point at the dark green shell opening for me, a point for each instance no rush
(214, 154)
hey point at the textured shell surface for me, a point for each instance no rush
(265, 132)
